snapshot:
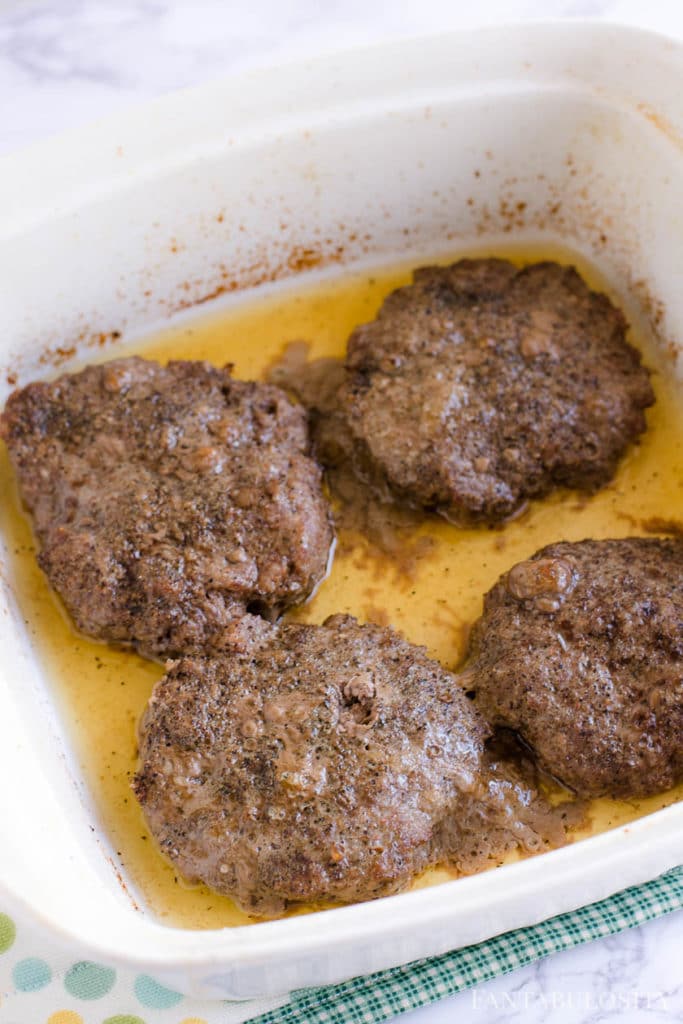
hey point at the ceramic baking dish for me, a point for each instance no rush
(565, 132)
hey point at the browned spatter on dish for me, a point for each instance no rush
(302, 258)
(57, 355)
(298, 259)
(661, 123)
(119, 878)
(583, 216)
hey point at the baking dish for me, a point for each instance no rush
(572, 133)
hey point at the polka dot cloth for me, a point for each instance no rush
(125, 1019)
(8, 933)
(53, 988)
(57, 989)
(89, 981)
(31, 975)
(151, 993)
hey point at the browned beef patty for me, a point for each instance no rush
(166, 500)
(580, 649)
(320, 762)
(480, 385)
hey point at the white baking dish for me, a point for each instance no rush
(570, 132)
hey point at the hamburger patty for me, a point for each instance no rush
(580, 650)
(322, 762)
(167, 500)
(480, 385)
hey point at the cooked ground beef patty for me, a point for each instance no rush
(167, 500)
(580, 649)
(480, 385)
(322, 762)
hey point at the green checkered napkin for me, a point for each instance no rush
(383, 995)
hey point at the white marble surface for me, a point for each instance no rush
(66, 62)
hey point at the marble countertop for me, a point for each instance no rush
(66, 62)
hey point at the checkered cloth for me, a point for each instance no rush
(384, 995)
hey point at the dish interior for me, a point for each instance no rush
(431, 594)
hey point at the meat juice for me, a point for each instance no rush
(429, 586)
